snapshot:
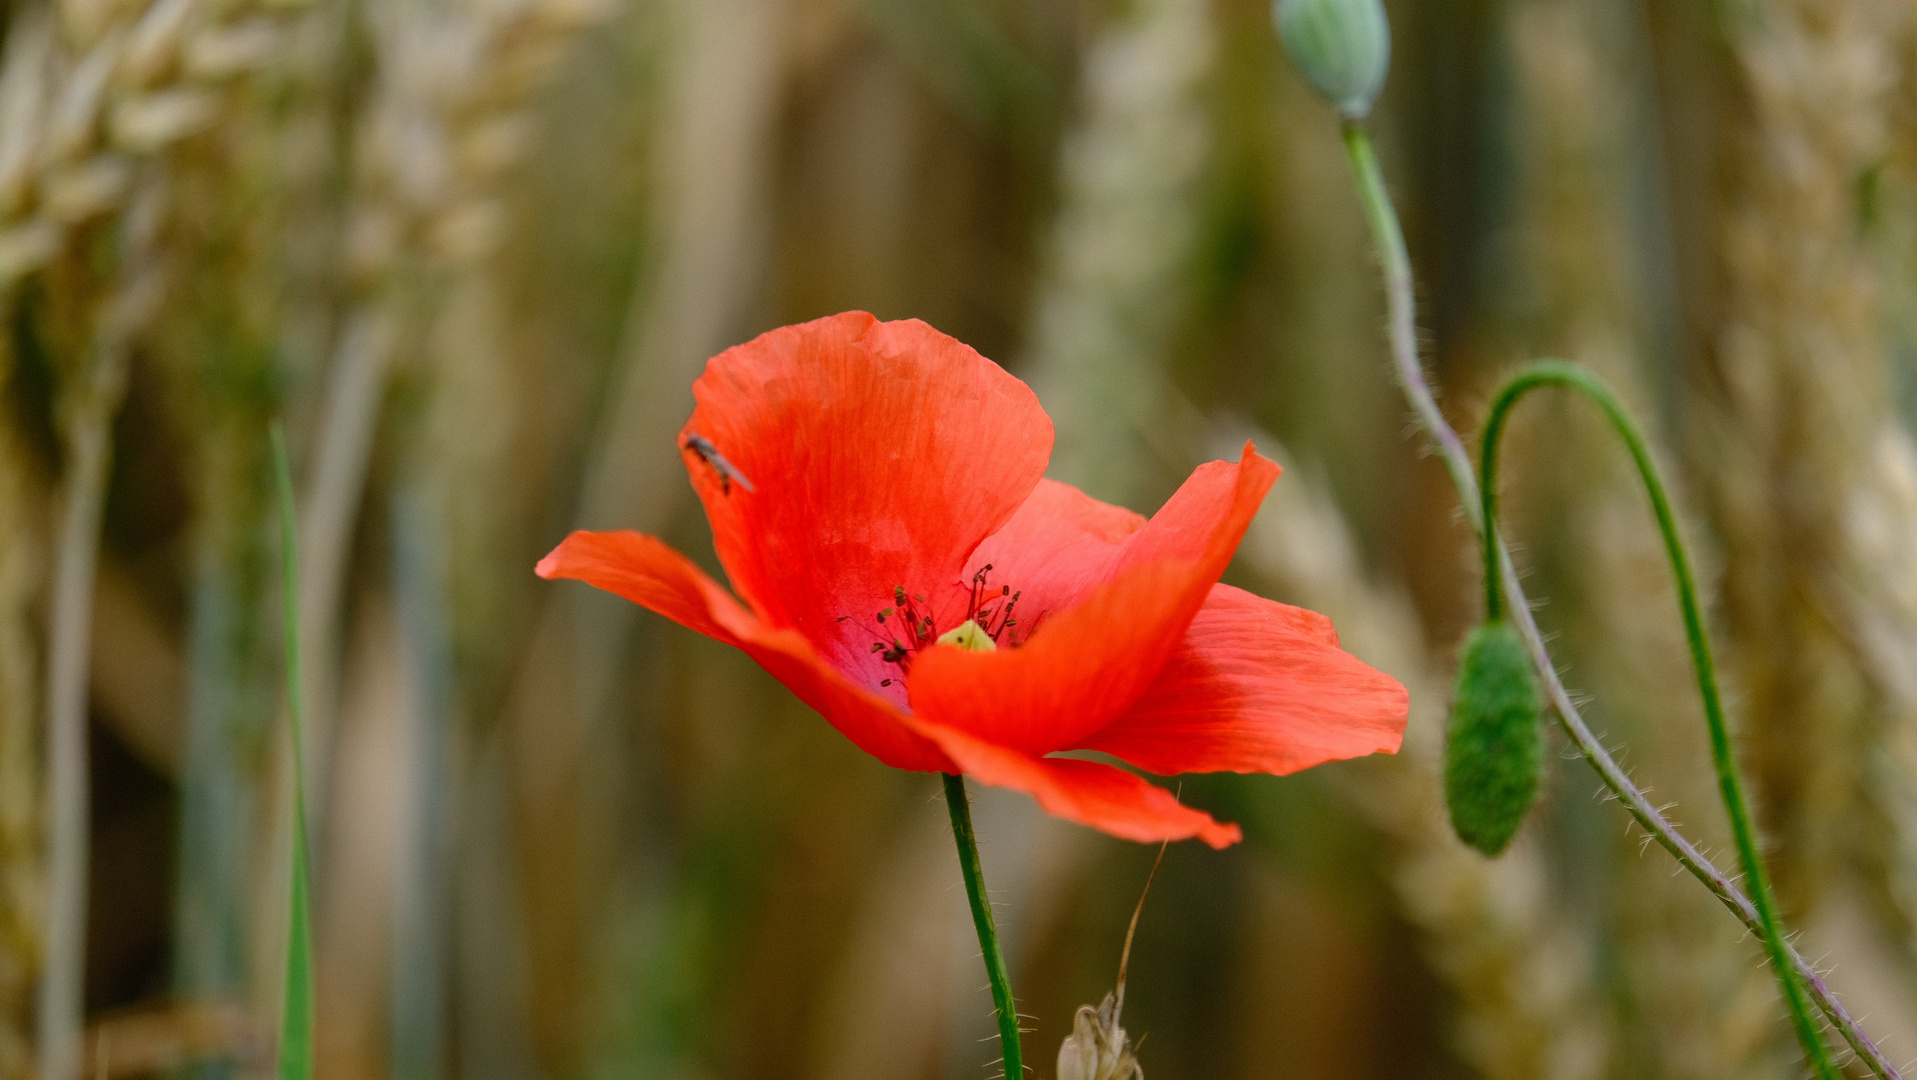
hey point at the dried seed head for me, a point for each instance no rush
(1097, 1048)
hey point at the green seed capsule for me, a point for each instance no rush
(1343, 47)
(1494, 753)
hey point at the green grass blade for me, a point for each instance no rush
(296, 1022)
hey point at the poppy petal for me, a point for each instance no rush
(648, 572)
(1091, 793)
(1084, 667)
(1056, 549)
(879, 455)
(1257, 686)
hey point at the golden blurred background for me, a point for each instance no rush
(475, 251)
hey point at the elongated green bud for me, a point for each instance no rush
(1493, 754)
(1342, 46)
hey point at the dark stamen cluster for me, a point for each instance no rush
(919, 630)
(1002, 602)
(991, 609)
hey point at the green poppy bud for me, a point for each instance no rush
(1494, 753)
(1342, 46)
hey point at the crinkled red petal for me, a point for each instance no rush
(879, 455)
(651, 574)
(1092, 793)
(1084, 667)
(1257, 686)
(1058, 548)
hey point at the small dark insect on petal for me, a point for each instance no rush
(725, 470)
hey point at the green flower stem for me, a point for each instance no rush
(1401, 309)
(1389, 239)
(1570, 376)
(956, 802)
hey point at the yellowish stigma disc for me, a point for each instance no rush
(969, 635)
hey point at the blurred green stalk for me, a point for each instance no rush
(229, 714)
(422, 881)
(227, 701)
(296, 1024)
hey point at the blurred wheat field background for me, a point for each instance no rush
(475, 251)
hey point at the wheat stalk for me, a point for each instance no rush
(1494, 929)
(1684, 978)
(1106, 310)
(1113, 288)
(448, 118)
(22, 556)
(89, 402)
(216, 360)
(91, 89)
(89, 97)
(1795, 466)
(713, 164)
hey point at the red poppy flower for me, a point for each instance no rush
(876, 496)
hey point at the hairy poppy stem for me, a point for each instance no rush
(1389, 239)
(961, 810)
(1573, 377)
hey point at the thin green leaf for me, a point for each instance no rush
(296, 1023)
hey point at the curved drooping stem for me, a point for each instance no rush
(1558, 373)
(961, 810)
(1389, 239)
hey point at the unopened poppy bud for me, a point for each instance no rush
(1493, 755)
(970, 636)
(1343, 47)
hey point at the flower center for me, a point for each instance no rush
(969, 636)
(908, 626)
